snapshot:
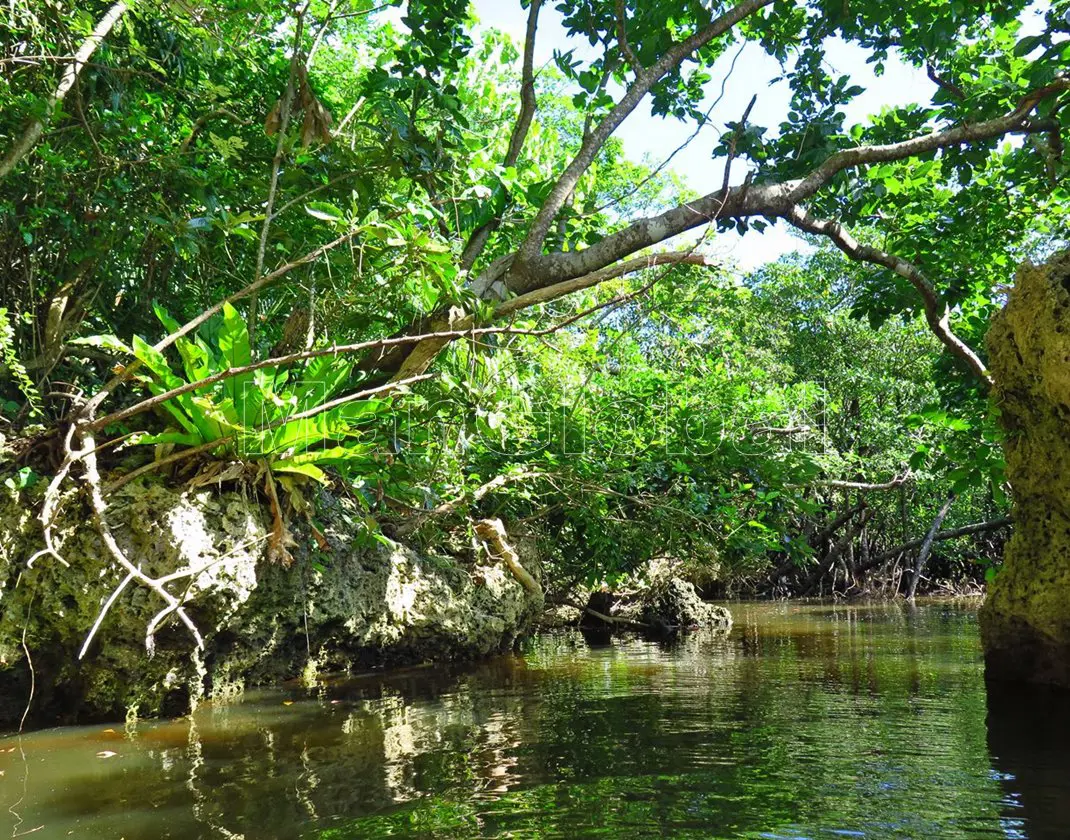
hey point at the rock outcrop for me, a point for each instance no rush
(347, 603)
(1025, 622)
(663, 603)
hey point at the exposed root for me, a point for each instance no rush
(50, 506)
(174, 605)
(492, 532)
(103, 614)
(281, 540)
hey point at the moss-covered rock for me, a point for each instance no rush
(662, 601)
(344, 605)
(1025, 622)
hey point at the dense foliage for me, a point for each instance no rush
(344, 181)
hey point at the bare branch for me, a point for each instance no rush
(734, 143)
(926, 546)
(492, 532)
(463, 328)
(940, 81)
(424, 353)
(898, 481)
(421, 517)
(965, 530)
(700, 124)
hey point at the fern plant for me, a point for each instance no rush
(256, 417)
(249, 414)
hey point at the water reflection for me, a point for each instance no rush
(807, 721)
(1029, 741)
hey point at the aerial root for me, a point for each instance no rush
(86, 454)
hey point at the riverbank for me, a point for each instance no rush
(347, 602)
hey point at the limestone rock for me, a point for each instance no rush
(356, 605)
(1025, 622)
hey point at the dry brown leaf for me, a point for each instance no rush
(274, 119)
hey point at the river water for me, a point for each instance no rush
(808, 721)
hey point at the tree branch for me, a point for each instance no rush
(773, 199)
(285, 107)
(182, 454)
(644, 81)
(622, 39)
(492, 532)
(89, 410)
(861, 485)
(464, 328)
(937, 314)
(965, 530)
(927, 545)
(32, 133)
(477, 242)
(419, 518)
(424, 353)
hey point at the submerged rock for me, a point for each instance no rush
(1025, 622)
(347, 603)
(674, 602)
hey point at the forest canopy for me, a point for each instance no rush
(390, 252)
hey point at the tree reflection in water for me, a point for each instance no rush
(807, 719)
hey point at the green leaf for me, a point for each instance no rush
(324, 211)
(169, 437)
(236, 350)
(107, 342)
(309, 470)
(1027, 45)
(180, 408)
(323, 376)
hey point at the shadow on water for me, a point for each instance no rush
(1029, 741)
(809, 720)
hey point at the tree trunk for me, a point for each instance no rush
(927, 546)
(1025, 622)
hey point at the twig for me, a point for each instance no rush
(285, 109)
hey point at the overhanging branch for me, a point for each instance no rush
(772, 199)
(596, 139)
(937, 314)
